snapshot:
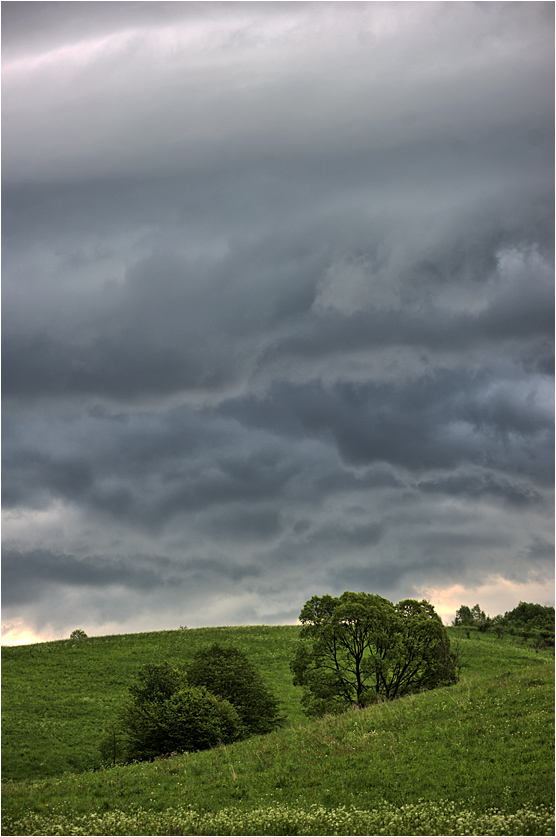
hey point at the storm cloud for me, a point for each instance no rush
(278, 309)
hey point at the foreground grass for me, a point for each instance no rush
(423, 818)
(476, 758)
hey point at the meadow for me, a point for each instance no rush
(474, 758)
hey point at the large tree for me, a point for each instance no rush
(360, 648)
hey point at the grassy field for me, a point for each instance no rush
(475, 758)
(58, 696)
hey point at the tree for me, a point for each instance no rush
(360, 648)
(78, 634)
(478, 614)
(530, 615)
(112, 744)
(227, 672)
(473, 616)
(165, 714)
(463, 616)
(534, 621)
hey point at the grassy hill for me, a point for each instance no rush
(58, 696)
(434, 763)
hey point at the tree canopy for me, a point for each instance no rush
(360, 648)
(529, 615)
(470, 616)
(191, 718)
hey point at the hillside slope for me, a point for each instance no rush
(58, 696)
(434, 763)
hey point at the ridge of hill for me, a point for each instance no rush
(438, 762)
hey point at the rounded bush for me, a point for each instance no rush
(190, 719)
(227, 672)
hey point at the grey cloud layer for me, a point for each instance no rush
(277, 303)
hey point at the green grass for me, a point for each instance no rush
(58, 696)
(475, 758)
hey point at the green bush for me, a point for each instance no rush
(190, 719)
(157, 682)
(227, 672)
(220, 698)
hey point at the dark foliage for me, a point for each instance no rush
(165, 715)
(360, 648)
(156, 683)
(227, 672)
(532, 616)
(219, 699)
(190, 719)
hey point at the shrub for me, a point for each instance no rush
(190, 719)
(227, 672)
(157, 682)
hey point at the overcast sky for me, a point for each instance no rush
(277, 309)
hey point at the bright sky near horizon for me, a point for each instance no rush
(278, 309)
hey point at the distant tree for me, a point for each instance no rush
(473, 616)
(360, 648)
(532, 620)
(78, 634)
(479, 616)
(227, 672)
(531, 616)
(463, 616)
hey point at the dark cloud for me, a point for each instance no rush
(278, 307)
(25, 574)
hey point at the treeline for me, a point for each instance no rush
(534, 622)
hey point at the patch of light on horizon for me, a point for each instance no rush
(16, 633)
(496, 595)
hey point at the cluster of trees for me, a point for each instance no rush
(360, 648)
(531, 616)
(219, 698)
(467, 616)
(531, 620)
(354, 650)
